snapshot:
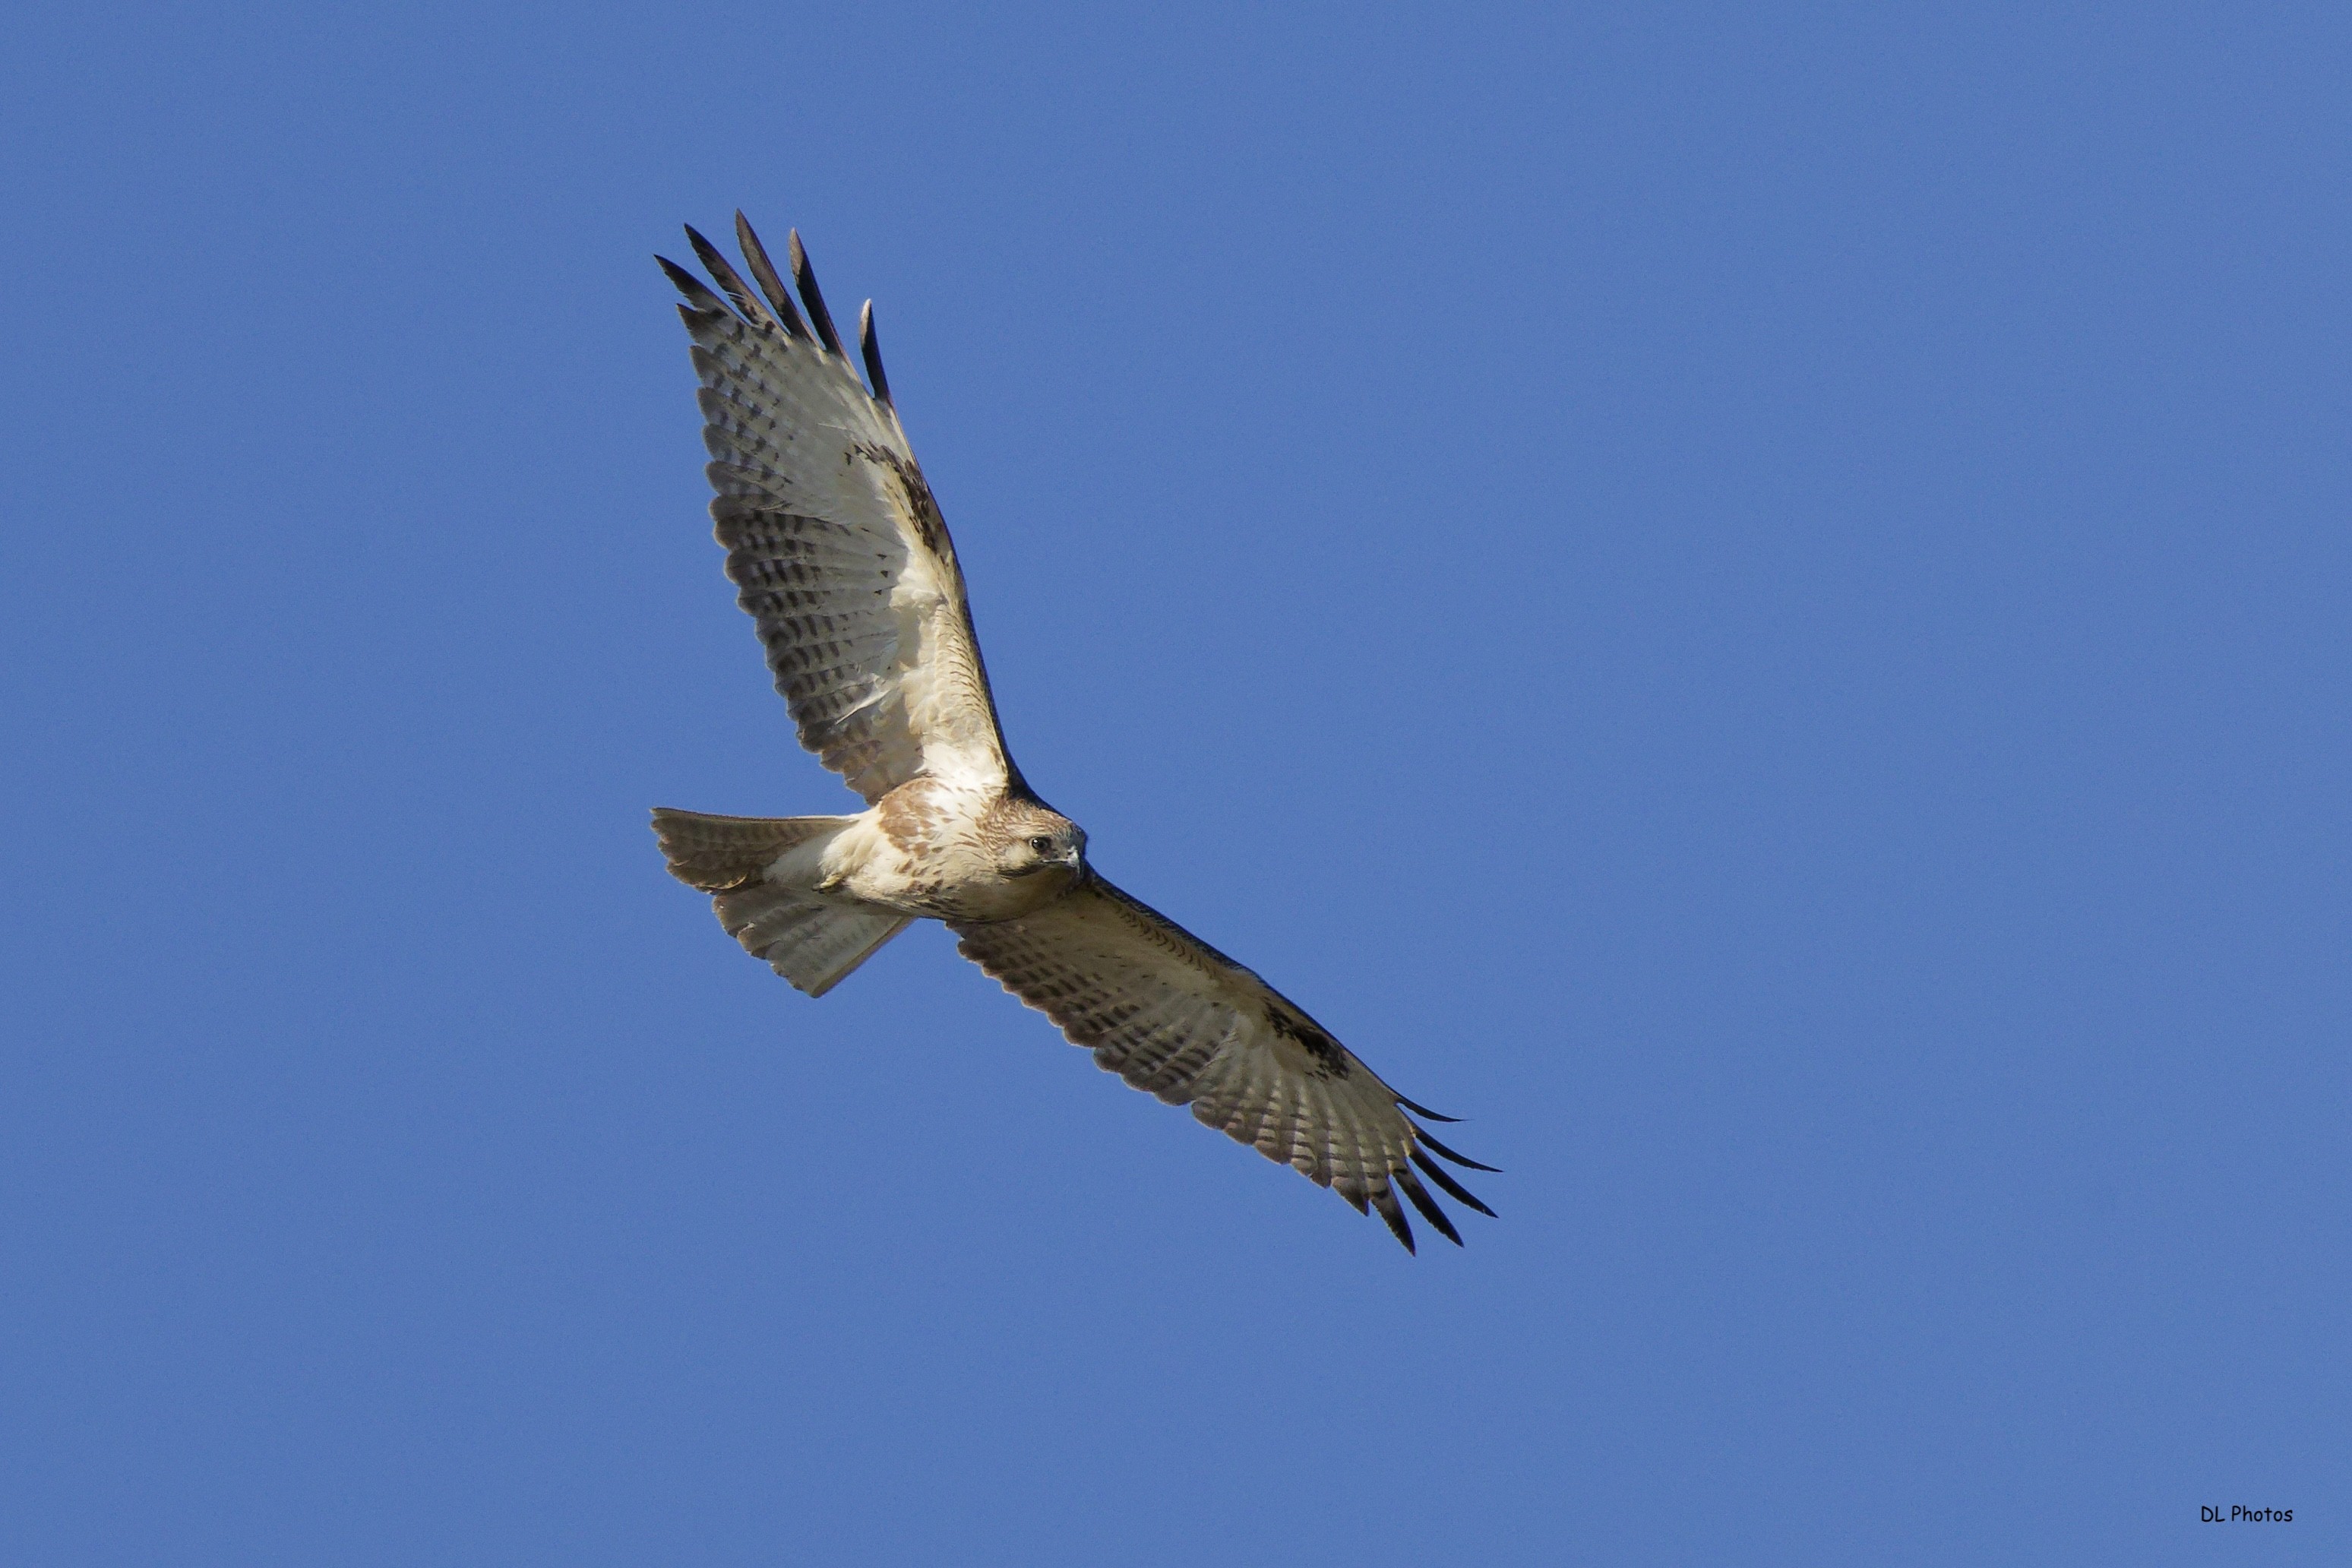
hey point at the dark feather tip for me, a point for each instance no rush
(729, 279)
(688, 284)
(1424, 1110)
(1453, 1189)
(1428, 1206)
(1385, 1201)
(1443, 1152)
(804, 278)
(755, 255)
(871, 347)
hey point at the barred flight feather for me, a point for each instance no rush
(1178, 1019)
(833, 537)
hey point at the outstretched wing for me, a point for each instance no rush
(1172, 1015)
(832, 535)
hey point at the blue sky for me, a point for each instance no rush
(1753, 601)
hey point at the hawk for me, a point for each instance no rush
(844, 562)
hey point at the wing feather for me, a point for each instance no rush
(804, 279)
(779, 299)
(834, 539)
(1175, 1017)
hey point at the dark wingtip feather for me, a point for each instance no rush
(1462, 1160)
(1427, 1205)
(1453, 1189)
(729, 279)
(755, 255)
(1384, 1200)
(1400, 1100)
(871, 348)
(804, 279)
(688, 284)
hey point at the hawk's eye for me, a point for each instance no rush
(1043, 845)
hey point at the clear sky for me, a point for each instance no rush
(1752, 600)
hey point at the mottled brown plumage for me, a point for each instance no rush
(840, 555)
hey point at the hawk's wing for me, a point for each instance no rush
(1172, 1015)
(833, 536)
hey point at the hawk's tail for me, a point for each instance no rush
(812, 941)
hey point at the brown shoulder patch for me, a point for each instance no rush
(908, 815)
(930, 526)
(1330, 1056)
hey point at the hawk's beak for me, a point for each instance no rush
(1076, 861)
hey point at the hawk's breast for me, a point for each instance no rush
(934, 858)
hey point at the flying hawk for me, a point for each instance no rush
(845, 562)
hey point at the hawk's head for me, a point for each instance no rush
(1028, 836)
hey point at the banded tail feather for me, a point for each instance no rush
(811, 940)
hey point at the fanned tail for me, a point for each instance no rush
(719, 853)
(811, 940)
